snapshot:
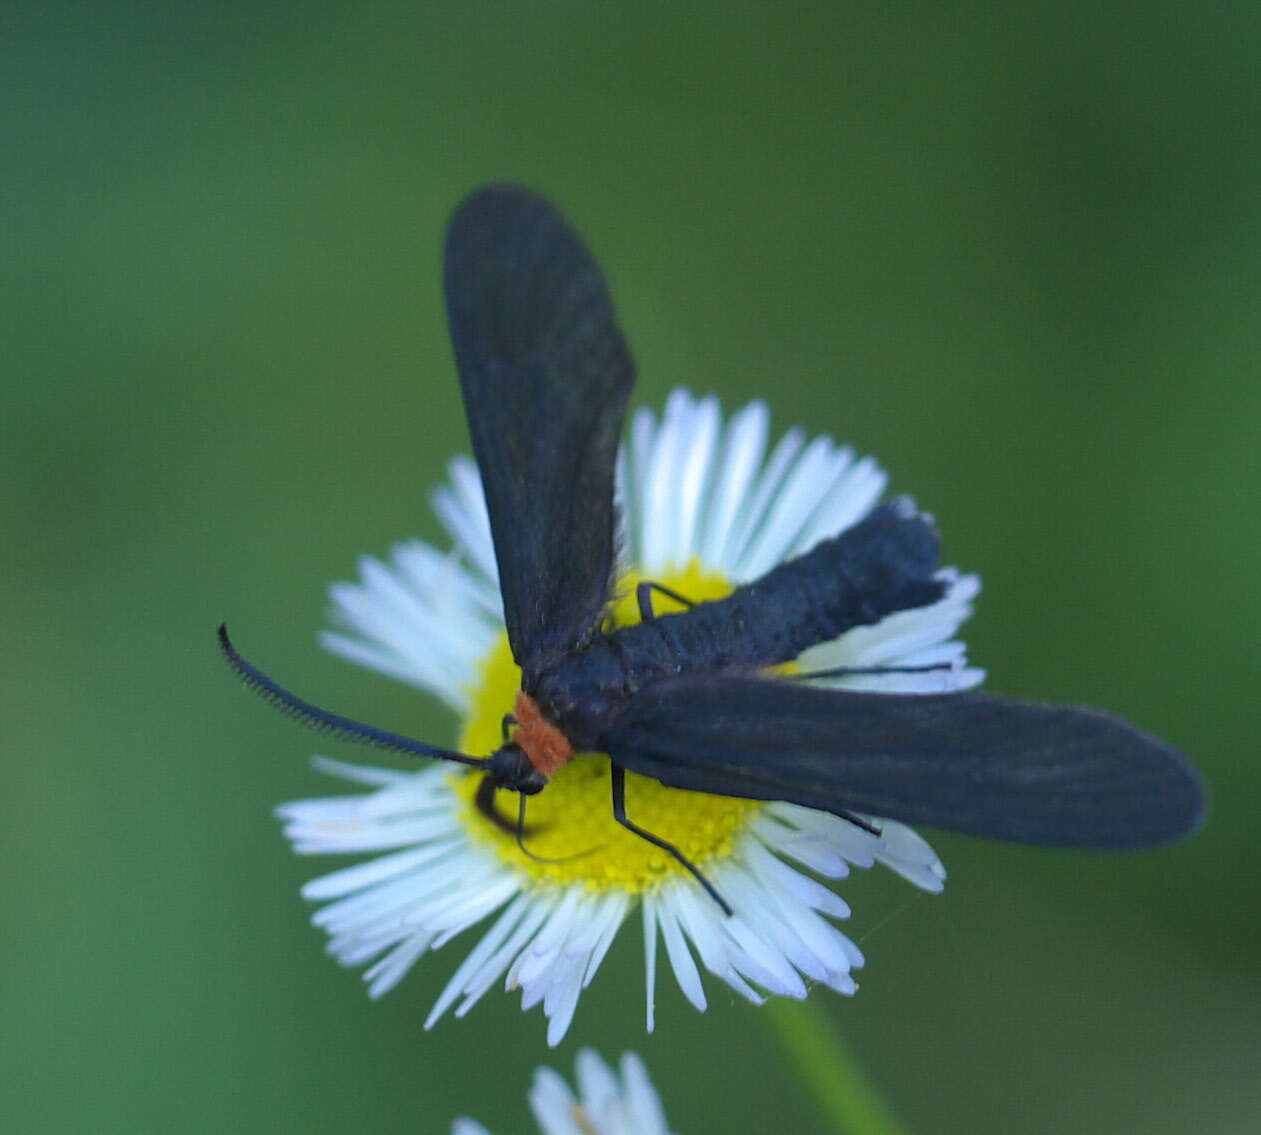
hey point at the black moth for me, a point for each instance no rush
(685, 698)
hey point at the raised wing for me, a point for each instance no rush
(973, 762)
(545, 374)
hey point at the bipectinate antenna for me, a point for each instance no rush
(334, 724)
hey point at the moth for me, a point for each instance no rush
(689, 698)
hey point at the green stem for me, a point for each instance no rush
(825, 1063)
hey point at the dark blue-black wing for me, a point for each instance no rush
(546, 374)
(974, 762)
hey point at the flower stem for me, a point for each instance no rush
(826, 1064)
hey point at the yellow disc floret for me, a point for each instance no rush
(571, 821)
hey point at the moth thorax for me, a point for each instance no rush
(541, 741)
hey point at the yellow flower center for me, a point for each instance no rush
(570, 823)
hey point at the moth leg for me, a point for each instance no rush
(859, 822)
(846, 671)
(509, 720)
(619, 814)
(520, 826)
(643, 595)
(522, 831)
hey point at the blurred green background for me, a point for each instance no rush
(1012, 252)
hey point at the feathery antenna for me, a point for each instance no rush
(334, 724)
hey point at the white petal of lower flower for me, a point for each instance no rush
(644, 1113)
(606, 1102)
(553, 1104)
(468, 1127)
(597, 1085)
(693, 489)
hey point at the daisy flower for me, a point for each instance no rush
(606, 1104)
(704, 507)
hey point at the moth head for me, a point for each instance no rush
(510, 768)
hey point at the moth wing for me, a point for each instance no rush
(973, 762)
(545, 374)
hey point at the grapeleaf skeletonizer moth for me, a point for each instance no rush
(685, 698)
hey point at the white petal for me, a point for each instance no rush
(560, 925)
(634, 494)
(760, 961)
(740, 458)
(779, 878)
(373, 872)
(614, 908)
(685, 971)
(853, 494)
(795, 501)
(419, 618)
(663, 534)
(650, 961)
(407, 796)
(812, 851)
(597, 1086)
(744, 550)
(489, 971)
(508, 919)
(390, 970)
(691, 477)
(404, 903)
(476, 590)
(464, 1126)
(643, 1105)
(471, 904)
(360, 774)
(908, 853)
(817, 936)
(742, 987)
(461, 506)
(560, 1007)
(766, 921)
(378, 835)
(553, 1104)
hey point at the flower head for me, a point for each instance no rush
(606, 1104)
(704, 508)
